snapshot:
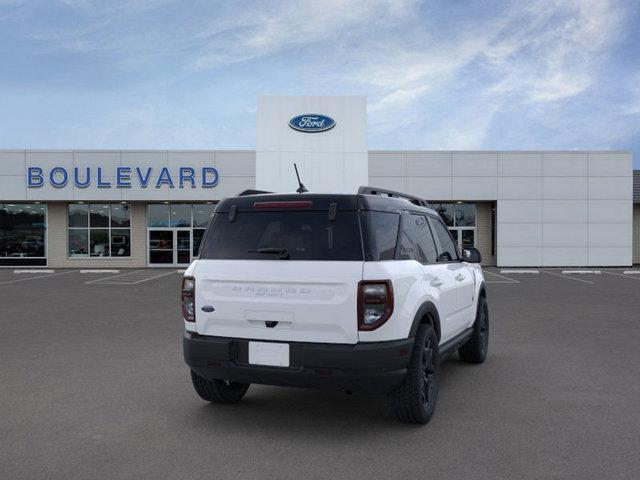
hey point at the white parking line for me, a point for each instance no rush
(520, 271)
(511, 280)
(130, 278)
(39, 276)
(623, 276)
(581, 272)
(631, 272)
(99, 271)
(567, 277)
(33, 271)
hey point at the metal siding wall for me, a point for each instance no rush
(57, 241)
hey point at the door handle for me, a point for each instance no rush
(436, 282)
(460, 277)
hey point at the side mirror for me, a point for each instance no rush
(471, 255)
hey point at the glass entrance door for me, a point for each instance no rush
(183, 247)
(169, 247)
(464, 237)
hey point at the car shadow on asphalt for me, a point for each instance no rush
(312, 411)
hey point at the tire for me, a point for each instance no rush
(415, 400)
(475, 349)
(218, 391)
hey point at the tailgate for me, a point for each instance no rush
(297, 301)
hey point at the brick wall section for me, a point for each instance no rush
(484, 232)
(636, 233)
(57, 241)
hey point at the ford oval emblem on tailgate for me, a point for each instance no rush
(207, 308)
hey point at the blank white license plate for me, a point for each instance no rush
(268, 353)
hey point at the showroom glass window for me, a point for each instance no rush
(460, 219)
(23, 229)
(99, 230)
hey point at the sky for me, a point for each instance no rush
(455, 75)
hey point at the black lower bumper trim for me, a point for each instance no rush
(374, 367)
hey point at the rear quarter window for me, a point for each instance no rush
(381, 233)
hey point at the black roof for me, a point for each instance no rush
(321, 201)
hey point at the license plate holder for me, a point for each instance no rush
(269, 354)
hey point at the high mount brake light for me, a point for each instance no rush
(294, 204)
(188, 298)
(375, 303)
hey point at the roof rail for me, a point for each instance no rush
(390, 193)
(250, 191)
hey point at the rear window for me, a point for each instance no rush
(275, 235)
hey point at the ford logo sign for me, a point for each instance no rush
(312, 123)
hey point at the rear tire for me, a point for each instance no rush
(218, 391)
(475, 349)
(415, 400)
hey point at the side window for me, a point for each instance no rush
(406, 243)
(425, 246)
(448, 250)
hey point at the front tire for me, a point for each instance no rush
(218, 391)
(415, 400)
(475, 349)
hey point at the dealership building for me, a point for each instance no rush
(138, 208)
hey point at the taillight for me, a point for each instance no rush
(188, 298)
(375, 303)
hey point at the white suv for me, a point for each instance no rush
(361, 292)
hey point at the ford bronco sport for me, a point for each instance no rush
(364, 292)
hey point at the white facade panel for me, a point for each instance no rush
(610, 256)
(519, 256)
(519, 235)
(611, 188)
(564, 164)
(108, 160)
(609, 234)
(474, 188)
(564, 235)
(564, 211)
(519, 211)
(12, 162)
(610, 211)
(13, 187)
(523, 188)
(429, 164)
(517, 164)
(479, 164)
(236, 164)
(430, 188)
(186, 158)
(605, 164)
(387, 164)
(323, 152)
(564, 256)
(564, 188)
(49, 159)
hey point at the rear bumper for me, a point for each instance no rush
(375, 367)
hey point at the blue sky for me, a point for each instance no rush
(438, 75)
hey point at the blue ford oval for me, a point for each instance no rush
(312, 123)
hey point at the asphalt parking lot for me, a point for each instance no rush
(93, 386)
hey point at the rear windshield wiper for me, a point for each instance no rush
(283, 252)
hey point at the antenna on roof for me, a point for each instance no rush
(301, 188)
